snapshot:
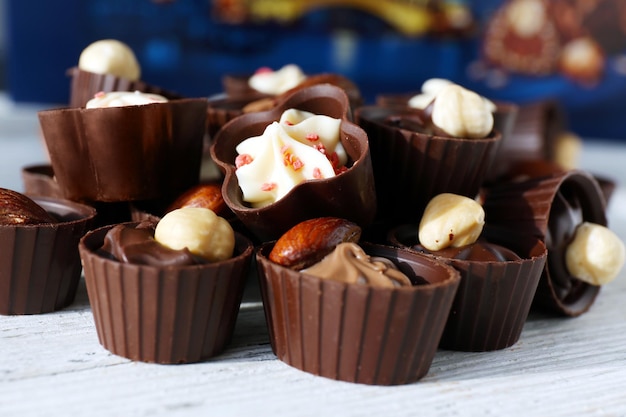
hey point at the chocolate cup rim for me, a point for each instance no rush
(361, 112)
(536, 251)
(142, 108)
(85, 247)
(264, 118)
(83, 211)
(453, 277)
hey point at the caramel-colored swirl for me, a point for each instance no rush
(349, 263)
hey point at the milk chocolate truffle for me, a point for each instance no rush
(161, 305)
(135, 152)
(39, 261)
(551, 207)
(353, 331)
(349, 194)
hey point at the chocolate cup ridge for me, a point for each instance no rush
(350, 194)
(164, 315)
(358, 333)
(85, 84)
(526, 207)
(40, 264)
(494, 298)
(411, 167)
(126, 153)
(39, 180)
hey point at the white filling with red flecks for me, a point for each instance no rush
(300, 146)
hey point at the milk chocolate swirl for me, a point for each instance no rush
(349, 263)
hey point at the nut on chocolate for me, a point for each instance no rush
(18, 209)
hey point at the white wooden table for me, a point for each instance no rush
(52, 364)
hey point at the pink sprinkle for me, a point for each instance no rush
(288, 123)
(263, 70)
(297, 163)
(99, 94)
(312, 137)
(243, 159)
(317, 173)
(268, 186)
(320, 147)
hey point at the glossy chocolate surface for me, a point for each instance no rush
(136, 244)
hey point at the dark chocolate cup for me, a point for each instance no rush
(350, 194)
(164, 315)
(525, 206)
(223, 108)
(494, 298)
(84, 85)
(126, 153)
(410, 168)
(39, 180)
(40, 264)
(358, 333)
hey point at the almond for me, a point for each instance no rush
(16, 209)
(311, 240)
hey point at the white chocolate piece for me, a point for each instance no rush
(596, 255)
(110, 56)
(198, 229)
(462, 113)
(286, 154)
(450, 220)
(123, 98)
(277, 82)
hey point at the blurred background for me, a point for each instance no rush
(573, 51)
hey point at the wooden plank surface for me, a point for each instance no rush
(52, 364)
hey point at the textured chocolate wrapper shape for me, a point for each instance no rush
(164, 315)
(350, 195)
(534, 133)
(84, 85)
(40, 264)
(223, 108)
(38, 180)
(550, 207)
(126, 153)
(504, 119)
(410, 167)
(358, 333)
(494, 298)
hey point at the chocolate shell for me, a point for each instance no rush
(84, 85)
(550, 207)
(39, 264)
(494, 297)
(126, 153)
(348, 195)
(353, 332)
(164, 315)
(412, 167)
(39, 180)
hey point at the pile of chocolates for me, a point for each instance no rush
(378, 233)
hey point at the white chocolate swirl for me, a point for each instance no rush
(277, 82)
(301, 146)
(123, 98)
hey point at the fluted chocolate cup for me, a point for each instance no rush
(126, 153)
(349, 194)
(550, 207)
(39, 180)
(494, 298)
(169, 315)
(85, 84)
(40, 264)
(354, 332)
(412, 167)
